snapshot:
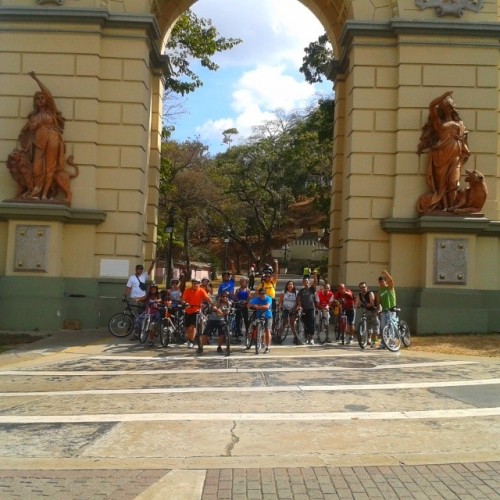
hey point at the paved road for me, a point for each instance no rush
(83, 415)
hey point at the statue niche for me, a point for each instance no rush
(444, 137)
(38, 164)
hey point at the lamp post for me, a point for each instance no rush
(169, 229)
(226, 241)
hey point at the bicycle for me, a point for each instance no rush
(363, 329)
(173, 325)
(201, 322)
(323, 326)
(256, 333)
(396, 332)
(340, 325)
(300, 329)
(277, 336)
(150, 323)
(230, 319)
(122, 324)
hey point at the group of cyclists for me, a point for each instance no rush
(263, 302)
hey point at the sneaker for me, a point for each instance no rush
(219, 350)
(349, 341)
(267, 350)
(311, 342)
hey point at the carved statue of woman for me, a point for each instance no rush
(41, 140)
(445, 138)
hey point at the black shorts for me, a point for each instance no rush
(190, 319)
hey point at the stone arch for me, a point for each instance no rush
(106, 68)
(331, 14)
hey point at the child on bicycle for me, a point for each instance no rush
(152, 301)
(216, 323)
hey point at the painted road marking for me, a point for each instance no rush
(243, 417)
(291, 388)
(95, 373)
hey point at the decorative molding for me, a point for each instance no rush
(392, 29)
(479, 226)
(159, 62)
(43, 2)
(57, 213)
(450, 7)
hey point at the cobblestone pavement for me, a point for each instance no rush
(460, 481)
(76, 484)
(452, 481)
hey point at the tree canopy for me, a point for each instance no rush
(251, 186)
(197, 38)
(315, 63)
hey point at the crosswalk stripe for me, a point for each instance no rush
(240, 417)
(290, 388)
(204, 371)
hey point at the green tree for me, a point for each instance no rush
(228, 136)
(315, 63)
(197, 38)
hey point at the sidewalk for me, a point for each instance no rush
(451, 481)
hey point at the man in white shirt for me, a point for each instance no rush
(136, 284)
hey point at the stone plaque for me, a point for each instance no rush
(450, 7)
(450, 261)
(31, 248)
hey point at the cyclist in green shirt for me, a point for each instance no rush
(387, 295)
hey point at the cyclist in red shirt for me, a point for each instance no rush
(324, 299)
(346, 299)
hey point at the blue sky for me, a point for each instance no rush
(255, 78)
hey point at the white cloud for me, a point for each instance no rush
(257, 95)
(263, 71)
(271, 30)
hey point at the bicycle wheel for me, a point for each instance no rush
(343, 328)
(300, 330)
(285, 331)
(143, 336)
(166, 333)
(336, 327)
(249, 336)
(228, 340)
(363, 334)
(180, 333)
(275, 334)
(121, 325)
(404, 333)
(391, 338)
(323, 330)
(258, 340)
